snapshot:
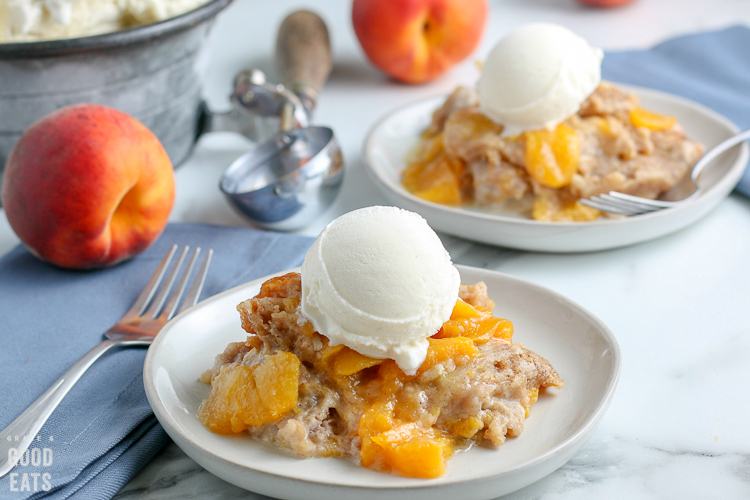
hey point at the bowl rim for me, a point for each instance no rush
(376, 172)
(115, 39)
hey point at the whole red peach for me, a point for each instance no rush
(416, 41)
(88, 186)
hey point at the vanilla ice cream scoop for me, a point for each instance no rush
(379, 281)
(537, 76)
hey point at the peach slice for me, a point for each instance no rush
(479, 330)
(444, 349)
(243, 396)
(552, 156)
(436, 181)
(640, 117)
(404, 448)
(464, 310)
(479, 326)
(411, 450)
(348, 362)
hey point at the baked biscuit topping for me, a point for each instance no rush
(287, 386)
(610, 144)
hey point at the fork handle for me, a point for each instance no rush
(27, 425)
(716, 151)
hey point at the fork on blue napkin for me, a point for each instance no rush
(712, 69)
(104, 431)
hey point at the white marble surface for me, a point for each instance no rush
(677, 427)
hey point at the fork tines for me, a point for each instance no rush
(619, 205)
(157, 309)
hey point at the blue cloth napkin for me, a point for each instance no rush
(710, 68)
(104, 432)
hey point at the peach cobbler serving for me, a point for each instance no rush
(398, 398)
(541, 131)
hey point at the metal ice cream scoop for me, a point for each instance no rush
(296, 173)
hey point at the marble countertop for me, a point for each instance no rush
(677, 426)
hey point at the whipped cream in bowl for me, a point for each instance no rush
(37, 20)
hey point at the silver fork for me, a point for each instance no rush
(138, 327)
(625, 204)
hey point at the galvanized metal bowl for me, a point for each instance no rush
(152, 72)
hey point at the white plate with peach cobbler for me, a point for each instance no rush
(248, 388)
(445, 159)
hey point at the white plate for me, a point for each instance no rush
(578, 345)
(392, 137)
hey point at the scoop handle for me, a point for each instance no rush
(303, 55)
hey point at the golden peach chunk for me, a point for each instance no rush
(480, 330)
(471, 322)
(640, 117)
(348, 362)
(407, 449)
(430, 147)
(447, 348)
(436, 181)
(467, 427)
(243, 396)
(411, 450)
(552, 156)
(329, 352)
(464, 310)
(533, 396)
